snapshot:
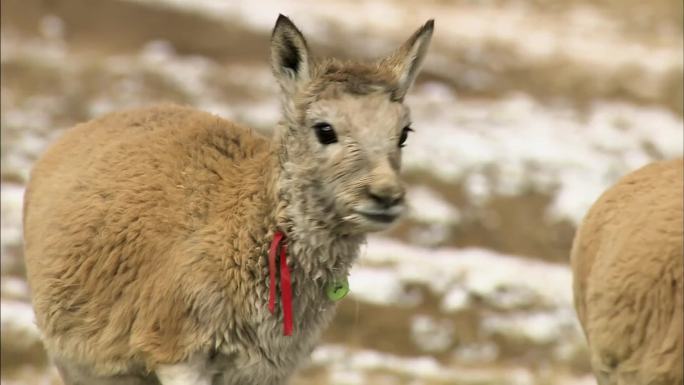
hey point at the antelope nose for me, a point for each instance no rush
(387, 196)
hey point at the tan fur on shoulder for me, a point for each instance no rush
(627, 263)
(150, 210)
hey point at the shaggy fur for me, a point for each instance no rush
(627, 263)
(146, 231)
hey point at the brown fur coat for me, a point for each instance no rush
(627, 263)
(147, 231)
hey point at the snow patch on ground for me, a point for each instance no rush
(583, 34)
(18, 321)
(515, 144)
(536, 327)
(526, 301)
(14, 288)
(12, 196)
(376, 286)
(503, 281)
(455, 299)
(427, 207)
(347, 366)
(432, 335)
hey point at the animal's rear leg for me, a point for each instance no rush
(76, 375)
(194, 372)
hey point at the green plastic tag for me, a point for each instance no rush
(337, 289)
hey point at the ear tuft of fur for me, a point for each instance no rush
(289, 55)
(405, 62)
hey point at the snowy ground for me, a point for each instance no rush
(526, 112)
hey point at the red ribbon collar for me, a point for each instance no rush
(279, 242)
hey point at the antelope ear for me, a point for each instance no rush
(290, 59)
(406, 61)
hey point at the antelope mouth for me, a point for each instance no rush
(382, 216)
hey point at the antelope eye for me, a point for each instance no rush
(404, 136)
(325, 133)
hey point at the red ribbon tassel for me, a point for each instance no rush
(286, 291)
(285, 284)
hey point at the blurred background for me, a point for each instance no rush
(525, 112)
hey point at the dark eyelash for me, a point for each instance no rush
(404, 135)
